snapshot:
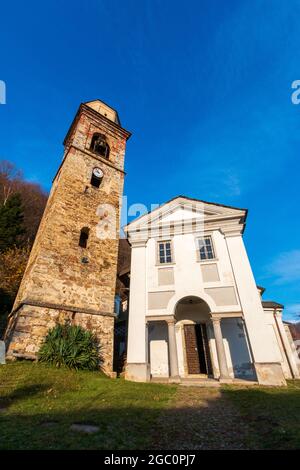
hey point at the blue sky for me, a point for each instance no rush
(205, 87)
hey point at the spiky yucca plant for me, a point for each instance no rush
(71, 346)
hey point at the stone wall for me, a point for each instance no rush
(29, 326)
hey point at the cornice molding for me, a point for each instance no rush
(97, 157)
(229, 226)
(218, 316)
(230, 222)
(97, 117)
(165, 318)
(138, 243)
(67, 308)
(90, 154)
(206, 209)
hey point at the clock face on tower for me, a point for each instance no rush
(98, 172)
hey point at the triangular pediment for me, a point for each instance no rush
(182, 210)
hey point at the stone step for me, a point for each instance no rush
(190, 381)
(199, 382)
(203, 382)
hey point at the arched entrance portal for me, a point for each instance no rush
(192, 315)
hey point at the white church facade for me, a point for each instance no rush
(195, 310)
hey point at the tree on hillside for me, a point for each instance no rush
(12, 266)
(22, 205)
(11, 222)
(8, 176)
(32, 195)
(33, 201)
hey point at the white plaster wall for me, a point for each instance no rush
(274, 334)
(137, 338)
(181, 213)
(158, 347)
(187, 272)
(237, 350)
(264, 349)
(293, 348)
(279, 335)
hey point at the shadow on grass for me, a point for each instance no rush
(271, 413)
(200, 424)
(19, 394)
(201, 419)
(121, 428)
(43, 403)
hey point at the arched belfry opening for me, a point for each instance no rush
(99, 145)
(192, 315)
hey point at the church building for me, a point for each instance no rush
(195, 311)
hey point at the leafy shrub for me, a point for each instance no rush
(71, 346)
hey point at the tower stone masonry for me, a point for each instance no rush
(71, 272)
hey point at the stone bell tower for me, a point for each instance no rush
(71, 272)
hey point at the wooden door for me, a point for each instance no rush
(191, 349)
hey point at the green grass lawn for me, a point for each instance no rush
(271, 413)
(38, 404)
